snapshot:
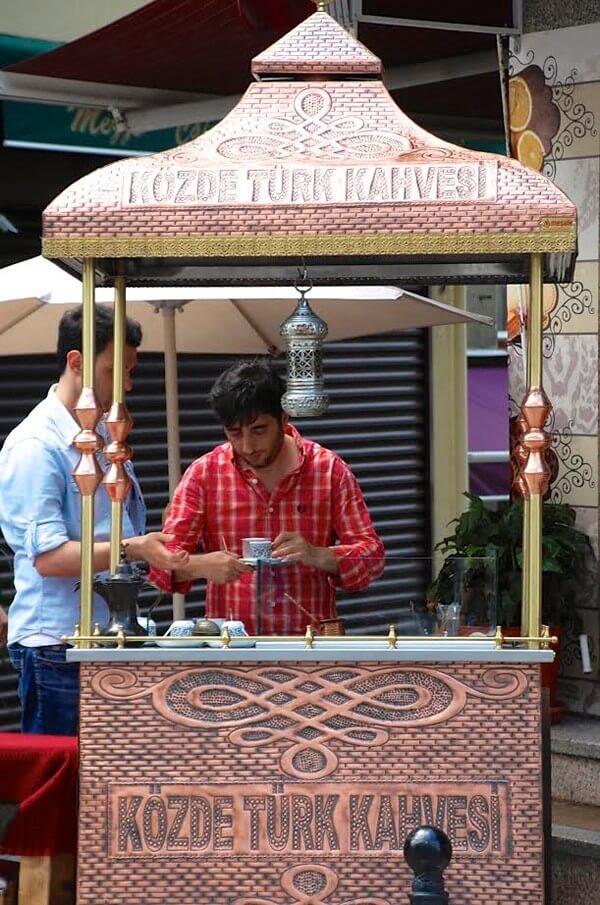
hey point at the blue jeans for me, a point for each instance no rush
(48, 689)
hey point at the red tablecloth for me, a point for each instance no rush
(38, 794)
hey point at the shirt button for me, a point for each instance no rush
(255, 480)
(271, 509)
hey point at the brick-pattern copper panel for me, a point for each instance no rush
(315, 167)
(295, 783)
(317, 45)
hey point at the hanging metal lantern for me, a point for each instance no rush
(304, 332)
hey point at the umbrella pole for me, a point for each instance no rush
(172, 401)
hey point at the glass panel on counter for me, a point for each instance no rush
(456, 595)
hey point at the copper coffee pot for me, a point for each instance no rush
(333, 626)
(121, 592)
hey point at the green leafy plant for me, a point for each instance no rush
(567, 556)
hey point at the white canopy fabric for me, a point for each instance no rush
(245, 321)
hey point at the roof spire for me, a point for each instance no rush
(322, 5)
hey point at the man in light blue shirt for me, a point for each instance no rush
(40, 517)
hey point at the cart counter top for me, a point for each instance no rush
(444, 651)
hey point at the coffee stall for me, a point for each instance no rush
(290, 769)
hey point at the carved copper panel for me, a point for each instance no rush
(320, 162)
(298, 783)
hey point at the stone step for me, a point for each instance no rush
(575, 853)
(575, 752)
(575, 747)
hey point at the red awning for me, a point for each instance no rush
(180, 45)
(205, 46)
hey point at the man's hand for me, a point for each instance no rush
(293, 547)
(223, 567)
(3, 626)
(152, 548)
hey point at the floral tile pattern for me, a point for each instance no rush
(577, 477)
(570, 655)
(576, 308)
(579, 131)
(552, 115)
(575, 47)
(554, 106)
(578, 178)
(571, 382)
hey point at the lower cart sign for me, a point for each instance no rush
(324, 819)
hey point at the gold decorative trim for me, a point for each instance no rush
(363, 244)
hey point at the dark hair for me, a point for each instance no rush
(69, 332)
(246, 390)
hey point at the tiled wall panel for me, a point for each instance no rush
(562, 71)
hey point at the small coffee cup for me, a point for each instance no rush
(256, 548)
(181, 628)
(235, 627)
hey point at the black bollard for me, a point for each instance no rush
(428, 852)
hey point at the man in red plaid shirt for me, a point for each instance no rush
(269, 481)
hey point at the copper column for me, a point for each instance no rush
(535, 408)
(118, 423)
(87, 473)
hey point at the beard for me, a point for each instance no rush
(271, 455)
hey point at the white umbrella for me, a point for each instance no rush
(245, 321)
(35, 293)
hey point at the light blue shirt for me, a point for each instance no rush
(40, 509)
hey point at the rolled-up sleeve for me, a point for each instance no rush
(185, 519)
(360, 552)
(32, 489)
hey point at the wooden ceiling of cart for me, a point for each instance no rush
(315, 163)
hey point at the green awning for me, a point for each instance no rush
(14, 49)
(80, 129)
(58, 128)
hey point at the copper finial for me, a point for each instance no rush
(536, 473)
(116, 481)
(87, 474)
(88, 410)
(536, 407)
(322, 5)
(118, 422)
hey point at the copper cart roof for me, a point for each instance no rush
(316, 162)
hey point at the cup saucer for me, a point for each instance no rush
(273, 561)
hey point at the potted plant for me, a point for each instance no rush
(481, 532)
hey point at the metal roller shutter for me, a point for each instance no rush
(23, 380)
(377, 421)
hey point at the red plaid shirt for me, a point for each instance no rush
(217, 503)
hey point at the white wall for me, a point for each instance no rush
(60, 20)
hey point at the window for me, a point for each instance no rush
(487, 394)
